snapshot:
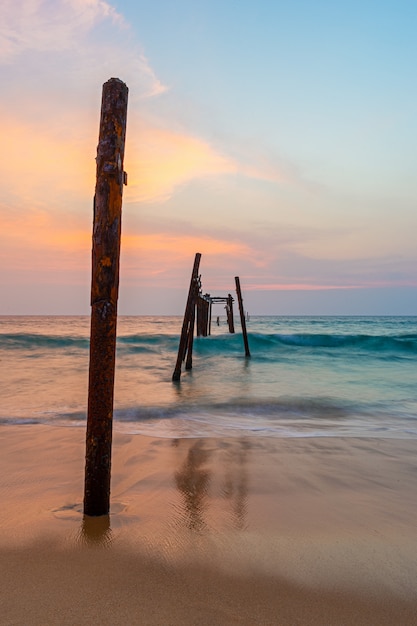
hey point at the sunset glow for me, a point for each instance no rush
(289, 162)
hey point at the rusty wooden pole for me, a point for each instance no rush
(210, 313)
(206, 317)
(190, 340)
(242, 316)
(187, 318)
(104, 295)
(229, 309)
(202, 316)
(199, 316)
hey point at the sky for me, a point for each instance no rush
(278, 139)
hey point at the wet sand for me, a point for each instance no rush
(233, 531)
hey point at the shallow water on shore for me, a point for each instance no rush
(209, 531)
(307, 376)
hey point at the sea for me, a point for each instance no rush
(306, 376)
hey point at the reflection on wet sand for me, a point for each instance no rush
(235, 485)
(208, 474)
(192, 482)
(96, 530)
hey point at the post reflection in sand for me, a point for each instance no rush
(235, 485)
(96, 531)
(192, 482)
(208, 476)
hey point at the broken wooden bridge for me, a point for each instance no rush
(198, 312)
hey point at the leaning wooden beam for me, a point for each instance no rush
(190, 338)
(242, 316)
(104, 295)
(187, 318)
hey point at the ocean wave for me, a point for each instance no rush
(374, 343)
(139, 343)
(260, 343)
(296, 409)
(286, 416)
(33, 341)
(283, 417)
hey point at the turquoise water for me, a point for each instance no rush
(307, 376)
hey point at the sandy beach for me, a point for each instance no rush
(208, 531)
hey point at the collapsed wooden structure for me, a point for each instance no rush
(198, 313)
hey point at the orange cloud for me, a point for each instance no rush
(45, 168)
(37, 242)
(159, 160)
(54, 165)
(182, 246)
(166, 260)
(41, 240)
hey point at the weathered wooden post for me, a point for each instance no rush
(190, 340)
(104, 295)
(242, 316)
(187, 319)
(203, 304)
(210, 314)
(206, 310)
(229, 313)
(199, 307)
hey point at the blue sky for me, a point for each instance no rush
(278, 139)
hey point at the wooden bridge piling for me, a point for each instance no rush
(199, 307)
(190, 340)
(205, 311)
(229, 313)
(242, 316)
(186, 325)
(104, 295)
(198, 313)
(210, 312)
